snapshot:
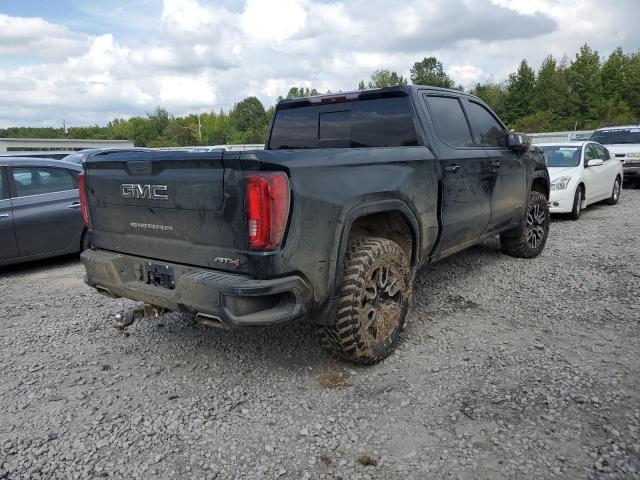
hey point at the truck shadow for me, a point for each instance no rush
(293, 346)
(39, 266)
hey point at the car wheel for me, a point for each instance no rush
(578, 199)
(528, 240)
(615, 193)
(374, 300)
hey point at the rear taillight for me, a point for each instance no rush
(267, 204)
(84, 207)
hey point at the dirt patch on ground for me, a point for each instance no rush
(334, 379)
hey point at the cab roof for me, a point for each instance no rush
(36, 162)
(339, 97)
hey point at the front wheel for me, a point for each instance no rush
(528, 239)
(615, 192)
(374, 300)
(578, 198)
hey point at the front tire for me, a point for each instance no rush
(374, 301)
(615, 192)
(578, 199)
(528, 240)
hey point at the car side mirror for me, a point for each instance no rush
(518, 142)
(594, 162)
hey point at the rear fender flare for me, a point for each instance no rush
(359, 211)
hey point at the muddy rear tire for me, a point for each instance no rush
(375, 293)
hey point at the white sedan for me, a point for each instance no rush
(581, 173)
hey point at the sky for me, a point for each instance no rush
(89, 61)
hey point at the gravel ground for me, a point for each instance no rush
(508, 369)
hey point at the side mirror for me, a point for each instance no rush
(594, 162)
(518, 142)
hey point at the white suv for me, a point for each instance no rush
(624, 145)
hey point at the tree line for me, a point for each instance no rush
(585, 92)
(246, 122)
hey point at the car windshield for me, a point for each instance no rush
(616, 136)
(560, 156)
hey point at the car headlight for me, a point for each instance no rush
(632, 158)
(560, 183)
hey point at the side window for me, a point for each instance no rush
(39, 180)
(490, 132)
(589, 154)
(383, 122)
(450, 122)
(602, 152)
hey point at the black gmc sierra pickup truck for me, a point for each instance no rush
(329, 224)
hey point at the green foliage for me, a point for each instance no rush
(216, 128)
(631, 83)
(520, 93)
(585, 93)
(429, 71)
(540, 121)
(494, 94)
(31, 132)
(248, 120)
(295, 92)
(384, 78)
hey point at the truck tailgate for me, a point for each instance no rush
(166, 205)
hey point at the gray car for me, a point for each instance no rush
(39, 210)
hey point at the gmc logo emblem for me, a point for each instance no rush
(148, 192)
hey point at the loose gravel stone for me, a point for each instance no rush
(507, 369)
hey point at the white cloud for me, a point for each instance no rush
(466, 75)
(187, 91)
(36, 36)
(201, 55)
(259, 20)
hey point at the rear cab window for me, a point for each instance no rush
(364, 123)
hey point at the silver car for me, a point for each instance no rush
(39, 210)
